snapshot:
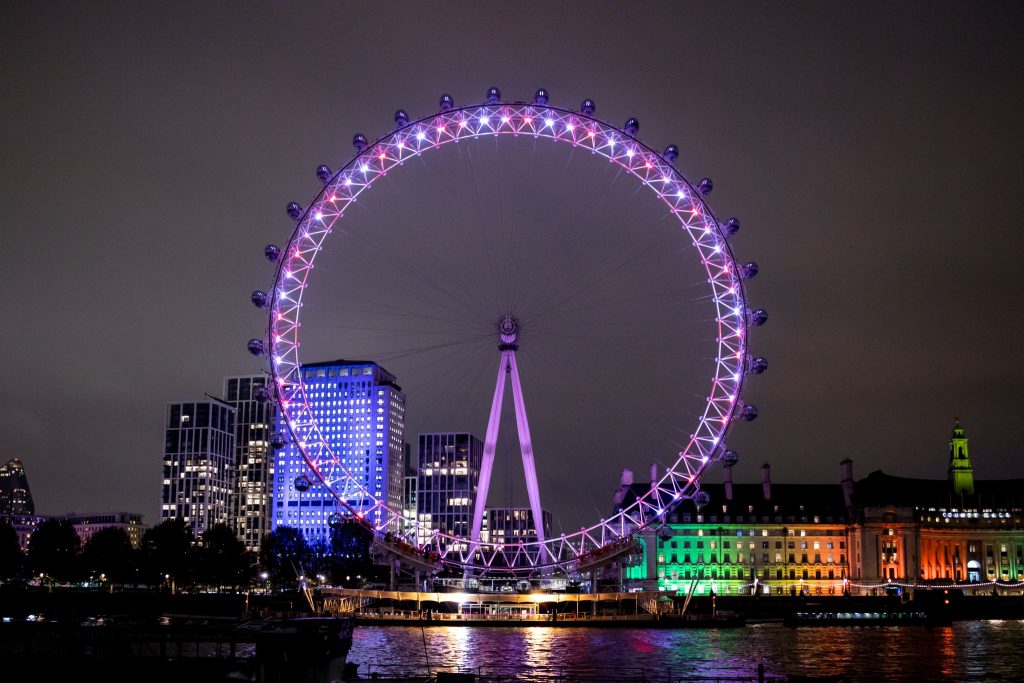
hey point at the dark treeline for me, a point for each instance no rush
(169, 557)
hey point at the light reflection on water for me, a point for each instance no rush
(967, 651)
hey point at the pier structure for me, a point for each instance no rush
(388, 606)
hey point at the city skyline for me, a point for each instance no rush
(871, 153)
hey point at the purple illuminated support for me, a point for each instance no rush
(508, 333)
(526, 448)
(490, 441)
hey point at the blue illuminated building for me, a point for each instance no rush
(362, 411)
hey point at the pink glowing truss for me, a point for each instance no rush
(527, 122)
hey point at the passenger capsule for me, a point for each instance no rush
(730, 458)
(323, 173)
(705, 187)
(334, 520)
(588, 107)
(294, 210)
(632, 127)
(261, 394)
(749, 270)
(260, 299)
(731, 226)
(401, 118)
(301, 483)
(541, 96)
(758, 317)
(446, 102)
(255, 347)
(359, 143)
(758, 365)
(493, 95)
(272, 252)
(278, 441)
(749, 412)
(671, 153)
(701, 498)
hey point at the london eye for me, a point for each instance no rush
(505, 327)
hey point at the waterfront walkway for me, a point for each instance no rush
(489, 606)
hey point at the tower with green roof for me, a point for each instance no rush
(961, 474)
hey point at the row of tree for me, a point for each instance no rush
(169, 556)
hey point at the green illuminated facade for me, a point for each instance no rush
(824, 539)
(773, 538)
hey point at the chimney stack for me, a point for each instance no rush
(846, 468)
(728, 482)
(625, 481)
(766, 481)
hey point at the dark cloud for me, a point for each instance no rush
(872, 150)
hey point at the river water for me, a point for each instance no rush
(966, 651)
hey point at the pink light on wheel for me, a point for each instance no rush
(686, 205)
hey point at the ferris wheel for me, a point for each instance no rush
(656, 176)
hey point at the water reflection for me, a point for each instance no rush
(969, 651)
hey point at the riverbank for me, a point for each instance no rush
(633, 610)
(644, 610)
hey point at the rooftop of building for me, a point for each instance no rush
(338, 363)
(382, 375)
(879, 488)
(787, 500)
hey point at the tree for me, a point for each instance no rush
(283, 553)
(166, 553)
(221, 559)
(11, 557)
(54, 550)
(349, 563)
(109, 552)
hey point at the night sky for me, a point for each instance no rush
(872, 151)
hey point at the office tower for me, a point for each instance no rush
(447, 477)
(15, 495)
(254, 424)
(409, 496)
(16, 505)
(199, 463)
(361, 410)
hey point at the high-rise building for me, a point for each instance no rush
(409, 495)
(361, 410)
(512, 526)
(16, 505)
(15, 495)
(199, 463)
(254, 424)
(447, 478)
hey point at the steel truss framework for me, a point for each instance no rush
(508, 333)
(654, 172)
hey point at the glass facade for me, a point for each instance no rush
(254, 424)
(199, 464)
(446, 483)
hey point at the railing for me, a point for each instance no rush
(411, 615)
